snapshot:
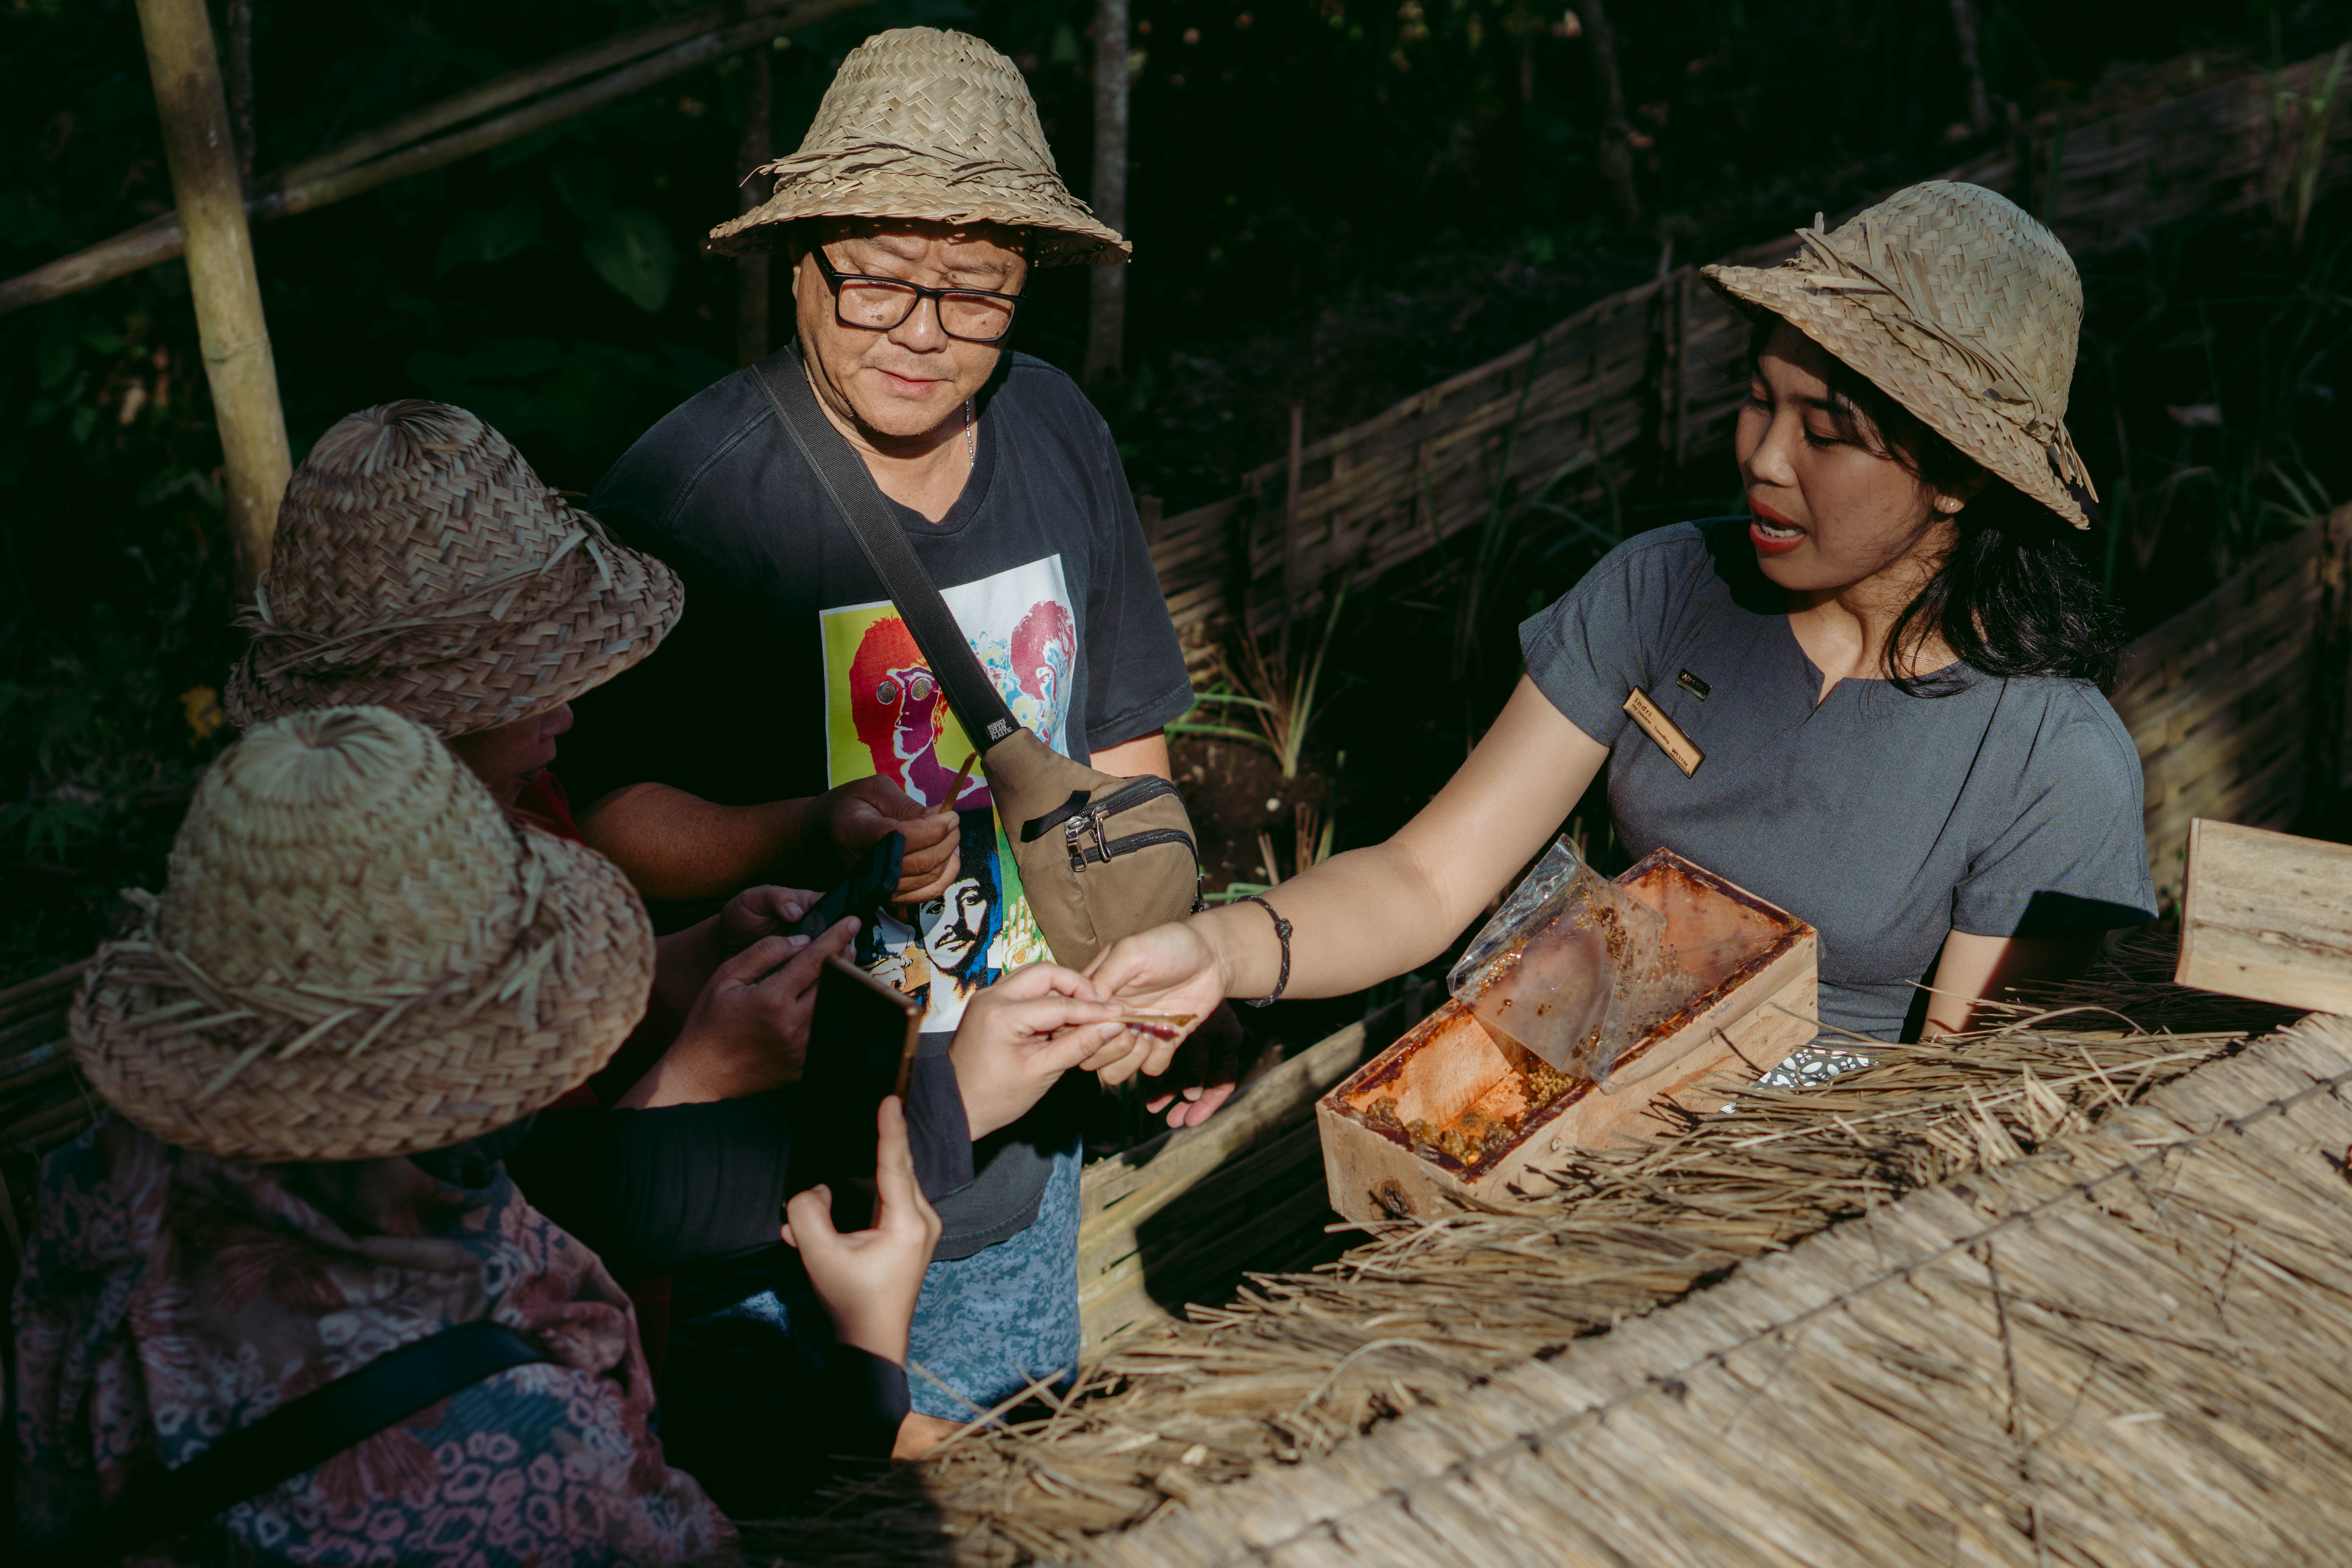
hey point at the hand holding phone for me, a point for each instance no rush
(861, 1047)
(869, 1279)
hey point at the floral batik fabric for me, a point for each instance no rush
(169, 1298)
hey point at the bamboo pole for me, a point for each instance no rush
(202, 153)
(752, 270)
(339, 173)
(1107, 305)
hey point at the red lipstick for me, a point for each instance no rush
(1769, 544)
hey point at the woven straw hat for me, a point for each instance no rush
(358, 956)
(1955, 303)
(919, 123)
(422, 566)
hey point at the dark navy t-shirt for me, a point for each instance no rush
(2010, 808)
(791, 672)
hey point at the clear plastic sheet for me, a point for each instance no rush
(1574, 968)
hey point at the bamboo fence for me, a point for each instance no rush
(2238, 703)
(1627, 391)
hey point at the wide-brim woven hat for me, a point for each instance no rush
(421, 565)
(919, 123)
(1953, 302)
(357, 954)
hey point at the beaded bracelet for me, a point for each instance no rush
(1282, 932)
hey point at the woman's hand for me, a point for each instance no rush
(748, 1031)
(869, 1279)
(1020, 1035)
(1173, 968)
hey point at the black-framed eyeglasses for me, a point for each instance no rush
(877, 304)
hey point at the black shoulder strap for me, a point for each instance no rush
(843, 475)
(300, 1435)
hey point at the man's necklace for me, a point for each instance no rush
(971, 441)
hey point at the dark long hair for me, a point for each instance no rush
(2009, 597)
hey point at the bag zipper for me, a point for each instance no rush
(1118, 800)
(1103, 850)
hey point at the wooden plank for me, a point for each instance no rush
(1133, 1184)
(1248, 1159)
(2269, 916)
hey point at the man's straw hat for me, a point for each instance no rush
(1955, 303)
(357, 954)
(919, 123)
(421, 565)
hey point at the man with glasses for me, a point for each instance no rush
(789, 721)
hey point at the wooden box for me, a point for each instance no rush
(2267, 915)
(1453, 1110)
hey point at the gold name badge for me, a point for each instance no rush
(1661, 728)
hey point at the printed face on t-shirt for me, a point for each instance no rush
(955, 927)
(886, 714)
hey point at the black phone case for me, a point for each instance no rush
(867, 888)
(861, 1043)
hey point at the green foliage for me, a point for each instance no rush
(631, 250)
(2209, 394)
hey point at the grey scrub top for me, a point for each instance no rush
(2010, 808)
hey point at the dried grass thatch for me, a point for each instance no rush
(1257, 1422)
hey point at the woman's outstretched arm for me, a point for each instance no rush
(1361, 917)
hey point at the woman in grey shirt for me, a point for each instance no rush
(1872, 699)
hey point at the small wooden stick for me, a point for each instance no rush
(963, 774)
(1155, 1020)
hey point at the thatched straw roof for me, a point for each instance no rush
(2166, 1311)
(2134, 1347)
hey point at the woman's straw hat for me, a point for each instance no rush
(924, 124)
(422, 566)
(357, 954)
(1958, 306)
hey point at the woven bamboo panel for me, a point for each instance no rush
(1649, 380)
(2230, 701)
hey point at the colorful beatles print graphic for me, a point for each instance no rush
(886, 714)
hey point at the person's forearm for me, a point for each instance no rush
(683, 963)
(1971, 969)
(675, 846)
(1356, 920)
(1359, 918)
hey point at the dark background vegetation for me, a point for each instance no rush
(1334, 202)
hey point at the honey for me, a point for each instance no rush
(1457, 1107)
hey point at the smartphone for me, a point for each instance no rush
(862, 1040)
(867, 887)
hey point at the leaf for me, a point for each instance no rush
(631, 250)
(586, 184)
(487, 236)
